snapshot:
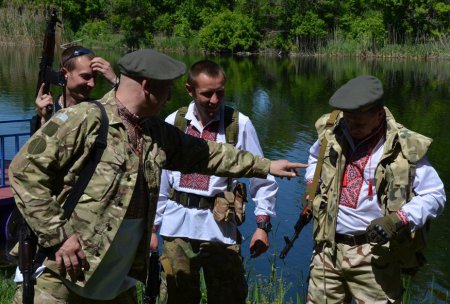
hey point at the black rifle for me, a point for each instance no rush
(27, 250)
(46, 74)
(303, 220)
(153, 279)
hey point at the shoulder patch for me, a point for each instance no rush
(37, 146)
(62, 116)
(50, 128)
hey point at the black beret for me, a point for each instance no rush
(150, 64)
(360, 94)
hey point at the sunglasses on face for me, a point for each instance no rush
(76, 53)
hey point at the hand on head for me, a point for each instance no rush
(100, 65)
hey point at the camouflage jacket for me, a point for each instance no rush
(402, 149)
(47, 166)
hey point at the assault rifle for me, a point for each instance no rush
(303, 220)
(311, 191)
(46, 74)
(27, 250)
(153, 279)
(27, 239)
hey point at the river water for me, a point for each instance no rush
(284, 97)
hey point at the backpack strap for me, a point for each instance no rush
(231, 123)
(180, 120)
(312, 188)
(93, 159)
(231, 119)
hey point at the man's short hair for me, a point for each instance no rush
(68, 56)
(208, 67)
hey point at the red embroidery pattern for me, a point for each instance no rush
(194, 180)
(403, 217)
(354, 171)
(354, 178)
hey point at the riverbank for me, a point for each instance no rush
(24, 25)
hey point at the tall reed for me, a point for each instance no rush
(21, 25)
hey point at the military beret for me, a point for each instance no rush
(150, 64)
(360, 94)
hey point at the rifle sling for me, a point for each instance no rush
(312, 188)
(85, 175)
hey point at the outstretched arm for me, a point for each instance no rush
(284, 168)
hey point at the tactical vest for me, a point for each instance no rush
(231, 123)
(394, 178)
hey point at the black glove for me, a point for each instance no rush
(383, 229)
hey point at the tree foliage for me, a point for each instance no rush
(243, 25)
(229, 32)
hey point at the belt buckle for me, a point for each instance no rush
(351, 239)
(193, 200)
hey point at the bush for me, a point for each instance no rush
(229, 32)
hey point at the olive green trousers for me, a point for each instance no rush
(182, 260)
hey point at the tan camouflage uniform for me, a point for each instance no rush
(330, 261)
(47, 166)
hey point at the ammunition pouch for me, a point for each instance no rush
(231, 205)
(408, 248)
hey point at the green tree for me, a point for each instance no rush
(229, 32)
(135, 19)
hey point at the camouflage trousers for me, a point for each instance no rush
(182, 260)
(365, 273)
(49, 289)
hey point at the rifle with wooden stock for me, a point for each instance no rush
(47, 75)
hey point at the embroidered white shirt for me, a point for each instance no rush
(176, 220)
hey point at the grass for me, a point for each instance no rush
(271, 290)
(7, 285)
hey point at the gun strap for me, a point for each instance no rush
(93, 159)
(85, 175)
(312, 188)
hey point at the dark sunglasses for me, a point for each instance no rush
(76, 53)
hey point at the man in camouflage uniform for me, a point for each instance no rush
(194, 238)
(105, 242)
(377, 190)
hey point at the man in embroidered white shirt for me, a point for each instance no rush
(377, 192)
(193, 238)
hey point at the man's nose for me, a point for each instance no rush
(214, 98)
(91, 83)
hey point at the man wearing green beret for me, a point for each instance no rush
(377, 192)
(103, 247)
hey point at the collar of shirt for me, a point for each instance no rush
(190, 115)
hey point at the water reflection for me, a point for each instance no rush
(284, 97)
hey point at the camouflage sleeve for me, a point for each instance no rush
(45, 164)
(188, 154)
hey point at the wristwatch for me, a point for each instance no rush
(266, 226)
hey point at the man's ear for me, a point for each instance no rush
(64, 71)
(190, 89)
(145, 84)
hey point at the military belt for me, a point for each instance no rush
(191, 200)
(351, 240)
